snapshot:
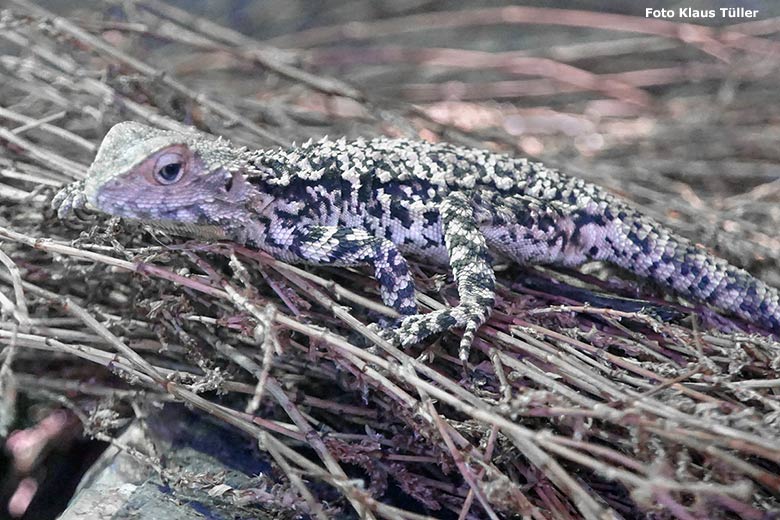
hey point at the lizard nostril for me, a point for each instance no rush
(229, 183)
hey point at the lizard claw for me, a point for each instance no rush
(69, 199)
(386, 331)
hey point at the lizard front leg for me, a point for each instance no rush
(345, 246)
(69, 199)
(470, 263)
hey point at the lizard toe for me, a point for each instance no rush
(384, 332)
(69, 199)
(416, 328)
(467, 339)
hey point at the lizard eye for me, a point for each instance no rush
(169, 168)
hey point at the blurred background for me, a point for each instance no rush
(678, 115)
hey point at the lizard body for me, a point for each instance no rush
(374, 201)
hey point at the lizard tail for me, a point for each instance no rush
(648, 249)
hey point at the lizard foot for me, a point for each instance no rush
(386, 331)
(69, 199)
(414, 329)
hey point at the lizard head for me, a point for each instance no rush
(167, 177)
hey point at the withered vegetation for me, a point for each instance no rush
(567, 408)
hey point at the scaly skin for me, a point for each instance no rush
(373, 202)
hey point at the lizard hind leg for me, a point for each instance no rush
(470, 263)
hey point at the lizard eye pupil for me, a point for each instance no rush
(169, 169)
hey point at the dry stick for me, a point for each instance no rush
(52, 160)
(8, 384)
(132, 356)
(50, 246)
(476, 91)
(755, 383)
(60, 333)
(269, 343)
(703, 37)
(512, 62)
(341, 313)
(143, 268)
(723, 436)
(67, 27)
(523, 437)
(231, 417)
(457, 457)
(26, 68)
(386, 511)
(335, 288)
(17, 195)
(290, 409)
(612, 358)
(678, 510)
(273, 388)
(577, 397)
(69, 67)
(154, 375)
(19, 310)
(583, 500)
(756, 27)
(259, 372)
(588, 356)
(29, 123)
(464, 511)
(32, 178)
(69, 386)
(530, 448)
(285, 321)
(152, 462)
(108, 360)
(651, 406)
(315, 506)
(93, 87)
(91, 354)
(224, 414)
(586, 464)
(605, 49)
(548, 353)
(739, 489)
(607, 470)
(605, 453)
(60, 59)
(498, 369)
(576, 375)
(760, 475)
(353, 355)
(520, 434)
(719, 433)
(251, 48)
(102, 90)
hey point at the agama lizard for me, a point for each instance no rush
(375, 201)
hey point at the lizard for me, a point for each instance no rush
(376, 202)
